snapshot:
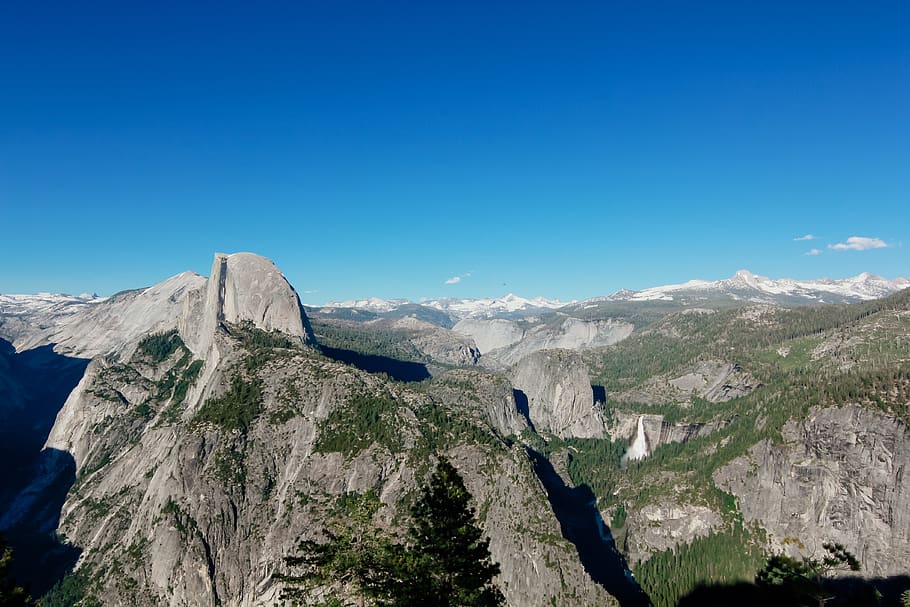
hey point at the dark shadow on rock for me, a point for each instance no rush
(844, 592)
(399, 370)
(521, 404)
(581, 524)
(600, 394)
(34, 385)
(30, 523)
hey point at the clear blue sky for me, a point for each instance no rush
(381, 148)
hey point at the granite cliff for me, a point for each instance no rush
(200, 453)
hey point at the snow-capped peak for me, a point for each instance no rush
(372, 304)
(458, 308)
(45, 302)
(744, 285)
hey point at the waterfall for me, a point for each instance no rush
(639, 447)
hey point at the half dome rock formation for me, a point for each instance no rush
(559, 393)
(243, 287)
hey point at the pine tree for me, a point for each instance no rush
(449, 560)
(357, 560)
(804, 579)
(446, 561)
(11, 595)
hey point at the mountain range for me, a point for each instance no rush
(741, 287)
(172, 445)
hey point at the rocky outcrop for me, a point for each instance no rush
(559, 394)
(716, 381)
(432, 342)
(840, 476)
(504, 342)
(195, 479)
(489, 396)
(193, 512)
(713, 380)
(490, 334)
(665, 525)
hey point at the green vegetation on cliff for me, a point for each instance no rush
(235, 409)
(159, 346)
(445, 561)
(720, 558)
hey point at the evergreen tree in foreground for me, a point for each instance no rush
(446, 561)
(450, 556)
(803, 580)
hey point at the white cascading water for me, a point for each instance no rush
(639, 447)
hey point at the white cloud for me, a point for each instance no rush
(457, 279)
(812, 252)
(859, 243)
(806, 237)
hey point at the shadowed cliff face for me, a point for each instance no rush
(399, 370)
(33, 387)
(29, 522)
(581, 523)
(843, 592)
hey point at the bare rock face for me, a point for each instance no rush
(197, 474)
(713, 380)
(87, 329)
(490, 334)
(839, 476)
(716, 381)
(435, 343)
(503, 342)
(665, 525)
(489, 395)
(243, 287)
(559, 394)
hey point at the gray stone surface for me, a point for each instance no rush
(197, 514)
(490, 334)
(116, 323)
(243, 287)
(839, 476)
(560, 397)
(664, 525)
(655, 431)
(436, 343)
(503, 343)
(713, 380)
(206, 540)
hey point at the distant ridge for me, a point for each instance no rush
(744, 286)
